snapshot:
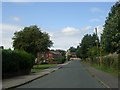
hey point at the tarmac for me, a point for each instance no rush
(107, 79)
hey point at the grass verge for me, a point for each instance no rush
(105, 69)
(38, 68)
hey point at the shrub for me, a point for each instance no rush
(109, 62)
(60, 60)
(27, 60)
(9, 61)
(16, 61)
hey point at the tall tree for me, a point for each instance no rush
(72, 49)
(32, 40)
(110, 38)
(88, 42)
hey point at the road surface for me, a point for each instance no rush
(72, 75)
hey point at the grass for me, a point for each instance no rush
(38, 68)
(106, 69)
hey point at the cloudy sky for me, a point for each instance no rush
(66, 22)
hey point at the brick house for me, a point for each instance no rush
(50, 55)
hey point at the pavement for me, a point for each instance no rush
(68, 75)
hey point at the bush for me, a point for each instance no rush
(27, 60)
(109, 62)
(60, 60)
(16, 62)
(9, 61)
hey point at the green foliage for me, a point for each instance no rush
(78, 51)
(39, 67)
(59, 60)
(16, 61)
(10, 61)
(109, 63)
(93, 52)
(110, 38)
(88, 43)
(31, 39)
(27, 60)
(72, 49)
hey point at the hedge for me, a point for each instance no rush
(60, 60)
(14, 62)
(110, 61)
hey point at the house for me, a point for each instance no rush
(70, 55)
(73, 54)
(50, 55)
(47, 57)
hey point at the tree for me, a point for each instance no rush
(110, 39)
(78, 51)
(88, 41)
(32, 39)
(72, 49)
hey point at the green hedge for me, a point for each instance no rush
(16, 61)
(108, 62)
(60, 60)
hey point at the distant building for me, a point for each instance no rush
(47, 57)
(50, 55)
(70, 55)
(73, 54)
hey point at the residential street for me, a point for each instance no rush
(72, 75)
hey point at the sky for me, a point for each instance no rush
(65, 22)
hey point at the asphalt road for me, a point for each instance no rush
(72, 75)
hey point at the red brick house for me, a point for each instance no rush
(48, 57)
(52, 55)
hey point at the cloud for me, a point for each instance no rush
(64, 42)
(65, 38)
(16, 19)
(9, 27)
(7, 31)
(68, 37)
(95, 9)
(86, 28)
(70, 31)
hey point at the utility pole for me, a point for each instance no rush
(99, 58)
(96, 40)
(97, 44)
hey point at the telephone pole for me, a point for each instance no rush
(96, 40)
(99, 58)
